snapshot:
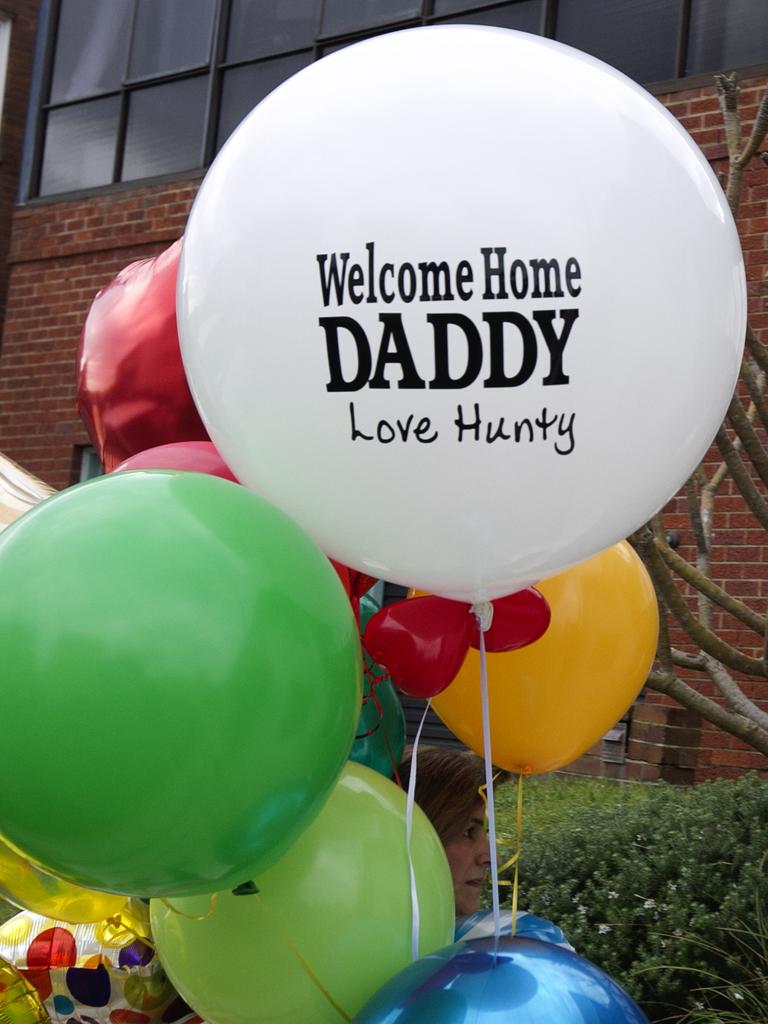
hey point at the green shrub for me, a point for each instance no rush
(736, 991)
(648, 888)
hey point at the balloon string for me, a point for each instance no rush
(411, 799)
(192, 917)
(483, 620)
(122, 927)
(392, 762)
(518, 847)
(306, 967)
(372, 697)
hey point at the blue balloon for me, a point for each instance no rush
(525, 981)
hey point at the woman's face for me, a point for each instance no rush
(469, 859)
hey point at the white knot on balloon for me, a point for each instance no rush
(483, 612)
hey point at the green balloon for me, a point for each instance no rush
(162, 734)
(331, 921)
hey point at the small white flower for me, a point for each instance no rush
(672, 887)
(699, 1006)
(649, 904)
(612, 894)
(603, 929)
(736, 994)
(582, 909)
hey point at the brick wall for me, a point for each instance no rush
(662, 744)
(61, 253)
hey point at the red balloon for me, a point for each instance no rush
(194, 456)
(132, 392)
(518, 620)
(422, 642)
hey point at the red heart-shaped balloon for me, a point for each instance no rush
(518, 620)
(132, 392)
(422, 642)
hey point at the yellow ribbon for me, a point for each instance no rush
(116, 932)
(192, 917)
(515, 858)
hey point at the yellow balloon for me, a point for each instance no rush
(19, 1001)
(551, 701)
(31, 888)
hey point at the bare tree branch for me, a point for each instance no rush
(728, 94)
(706, 586)
(707, 640)
(684, 660)
(749, 492)
(755, 382)
(748, 437)
(736, 725)
(759, 128)
(734, 695)
(758, 352)
(700, 535)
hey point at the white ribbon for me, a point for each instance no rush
(484, 614)
(415, 919)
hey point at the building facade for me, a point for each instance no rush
(113, 110)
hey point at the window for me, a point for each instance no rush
(135, 89)
(90, 466)
(727, 35)
(525, 16)
(342, 16)
(638, 37)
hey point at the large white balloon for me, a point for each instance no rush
(468, 304)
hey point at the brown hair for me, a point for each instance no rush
(448, 785)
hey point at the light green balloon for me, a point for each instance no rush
(339, 901)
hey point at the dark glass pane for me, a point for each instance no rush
(170, 35)
(343, 43)
(165, 128)
(80, 146)
(345, 16)
(91, 48)
(455, 6)
(639, 37)
(728, 35)
(244, 87)
(258, 28)
(525, 16)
